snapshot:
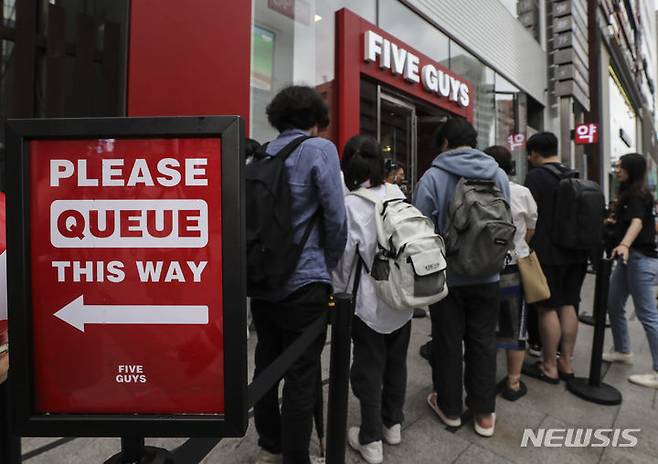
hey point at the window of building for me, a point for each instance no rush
(294, 43)
(482, 77)
(510, 122)
(401, 22)
(623, 120)
(9, 13)
(82, 70)
(74, 66)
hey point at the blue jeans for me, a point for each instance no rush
(636, 278)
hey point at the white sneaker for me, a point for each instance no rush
(373, 453)
(432, 403)
(393, 436)
(265, 457)
(645, 380)
(617, 357)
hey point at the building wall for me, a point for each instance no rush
(190, 60)
(478, 25)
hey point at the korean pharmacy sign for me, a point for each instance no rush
(125, 286)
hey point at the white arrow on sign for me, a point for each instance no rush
(77, 314)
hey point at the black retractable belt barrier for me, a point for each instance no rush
(10, 445)
(339, 371)
(275, 371)
(592, 389)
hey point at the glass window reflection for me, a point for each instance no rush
(9, 13)
(294, 46)
(401, 22)
(465, 64)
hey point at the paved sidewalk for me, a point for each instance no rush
(425, 440)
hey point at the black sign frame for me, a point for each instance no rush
(24, 421)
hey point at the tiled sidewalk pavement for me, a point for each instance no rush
(425, 440)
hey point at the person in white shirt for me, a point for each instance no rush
(380, 334)
(512, 330)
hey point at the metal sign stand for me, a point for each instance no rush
(10, 445)
(133, 451)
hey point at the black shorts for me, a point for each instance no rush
(565, 282)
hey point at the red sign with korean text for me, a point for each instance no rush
(586, 134)
(126, 276)
(516, 141)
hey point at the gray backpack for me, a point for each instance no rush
(479, 231)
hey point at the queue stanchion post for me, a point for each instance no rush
(339, 370)
(592, 389)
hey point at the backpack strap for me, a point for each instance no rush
(283, 154)
(357, 274)
(367, 194)
(286, 151)
(261, 152)
(553, 169)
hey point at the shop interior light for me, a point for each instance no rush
(317, 18)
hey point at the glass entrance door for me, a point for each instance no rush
(396, 133)
(405, 127)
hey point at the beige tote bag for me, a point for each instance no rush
(535, 286)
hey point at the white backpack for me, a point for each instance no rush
(409, 269)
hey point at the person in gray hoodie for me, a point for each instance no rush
(467, 316)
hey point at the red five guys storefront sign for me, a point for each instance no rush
(123, 232)
(363, 49)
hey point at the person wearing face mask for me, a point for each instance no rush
(637, 265)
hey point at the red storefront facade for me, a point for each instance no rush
(158, 57)
(379, 84)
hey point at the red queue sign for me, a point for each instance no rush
(131, 303)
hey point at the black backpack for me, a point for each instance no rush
(272, 254)
(579, 211)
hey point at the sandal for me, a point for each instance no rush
(512, 395)
(535, 371)
(565, 377)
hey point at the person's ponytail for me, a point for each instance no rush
(363, 161)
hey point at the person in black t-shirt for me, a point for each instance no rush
(637, 267)
(564, 269)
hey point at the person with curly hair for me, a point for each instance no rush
(283, 314)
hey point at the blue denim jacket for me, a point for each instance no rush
(315, 183)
